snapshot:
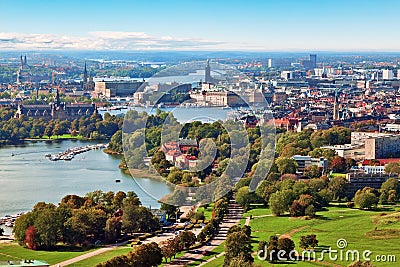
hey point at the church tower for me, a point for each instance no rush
(208, 78)
(58, 101)
(336, 107)
(85, 75)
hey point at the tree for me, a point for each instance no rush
(286, 165)
(236, 244)
(244, 197)
(169, 209)
(57, 130)
(365, 199)
(139, 219)
(21, 225)
(278, 203)
(74, 201)
(393, 167)
(390, 190)
(175, 176)
(338, 164)
(240, 261)
(310, 211)
(167, 249)
(297, 209)
(119, 199)
(48, 227)
(116, 142)
(187, 239)
(312, 172)
(30, 237)
(112, 229)
(272, 249)
(286, 244)
(48, 130)
(338, 187)
(147, 255)
(308, 241)
(84, 223)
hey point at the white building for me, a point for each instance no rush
(270, 63)
(287, 75)
(306, 161)
(387, 75)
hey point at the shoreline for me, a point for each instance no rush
(134, 173)
(138, 173)
(22, 141)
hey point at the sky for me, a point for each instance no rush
(265, 25)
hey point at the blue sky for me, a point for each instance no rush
(290, 25)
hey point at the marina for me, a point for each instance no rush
(70, 153)
(9, 220)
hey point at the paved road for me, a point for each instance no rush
(231, 219)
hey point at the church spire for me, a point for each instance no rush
(85, 75)
(58, 101)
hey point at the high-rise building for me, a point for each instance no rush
(387, 74)
(313, 60)
(270, 63)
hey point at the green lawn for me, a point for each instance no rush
(257, 210)
(363, 230)
(336, 174)
(207, 211)
(13, 251)
(93, 261)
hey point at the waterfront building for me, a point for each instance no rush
(116, 88)
(56, 110)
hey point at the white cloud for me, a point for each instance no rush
(103, 40)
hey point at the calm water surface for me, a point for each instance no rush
(28, 177)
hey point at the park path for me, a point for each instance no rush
(293, 231)
(230, 219)
(89, 255)
(222, 253)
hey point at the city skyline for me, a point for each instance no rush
(202, 26)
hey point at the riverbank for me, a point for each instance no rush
(64, 137)
(138, 173)
(111, 152)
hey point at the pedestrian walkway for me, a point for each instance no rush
(230, 219)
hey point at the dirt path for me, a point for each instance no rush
(292, 232)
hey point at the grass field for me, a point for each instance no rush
(93, 261)
(377, 231)
(12, 251)
(207, 211)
